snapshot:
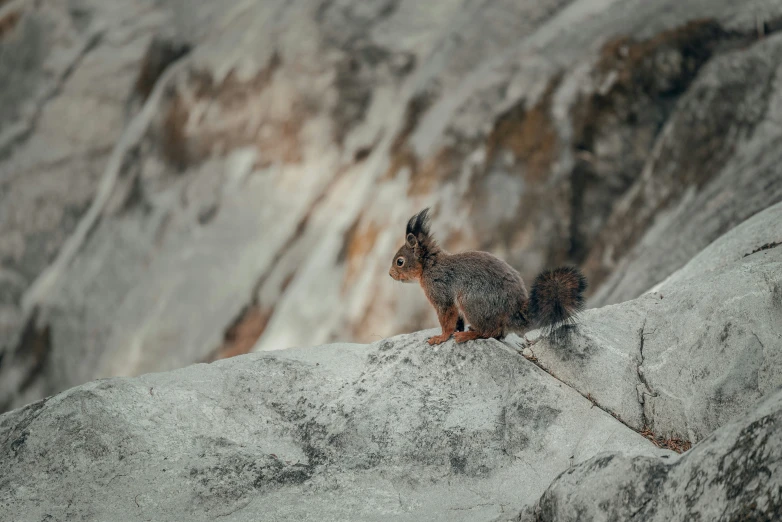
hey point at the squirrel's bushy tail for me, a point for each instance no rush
(557, 296)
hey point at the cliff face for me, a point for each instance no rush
(183, 181)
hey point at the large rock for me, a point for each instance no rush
(264, 177)
(696, 353)
(735, 474)
(397, 430)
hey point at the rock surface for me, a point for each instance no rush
(396, 430)
(698, 352)
(735, 474)
(761, 232)
(198, 206)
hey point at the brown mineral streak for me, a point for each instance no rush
(8, 22)
(242, 335)
(186, 142)
(357, 245)
(529, 134)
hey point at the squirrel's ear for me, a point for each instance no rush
(412, 242)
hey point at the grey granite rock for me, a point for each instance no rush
(396, 430)
(761, 232)
(693, 355)
(734, 474)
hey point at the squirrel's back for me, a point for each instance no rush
(482, 271)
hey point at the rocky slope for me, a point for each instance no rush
(183, 181)
(395, 430)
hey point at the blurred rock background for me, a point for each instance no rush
(187, 180)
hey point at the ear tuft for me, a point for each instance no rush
(418, 236)
(419, 224)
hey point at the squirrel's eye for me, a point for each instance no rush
(400, 261)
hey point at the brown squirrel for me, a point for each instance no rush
(483, 290)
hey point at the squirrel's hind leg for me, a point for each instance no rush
(482, 326)
(449, 318)
(471, 334)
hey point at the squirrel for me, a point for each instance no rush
(483, 290)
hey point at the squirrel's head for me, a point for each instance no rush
(418, 252)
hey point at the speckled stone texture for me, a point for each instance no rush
(735, 474)
(395, 430)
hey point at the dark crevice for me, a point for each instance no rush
(17, 436)
(242, 334)
(362, 153)
(767, 246)
(769, 27)
(34, 346)
(759, 341)
(642, 378)
(673, 444)
(534, 360)
(579, 178)
(28, 357)
(130, 171)
(160, 54)
(208, 214)
(640, 508)
(9, 22)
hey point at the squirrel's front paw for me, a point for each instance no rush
(438, 339)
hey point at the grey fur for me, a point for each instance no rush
(488, 292)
